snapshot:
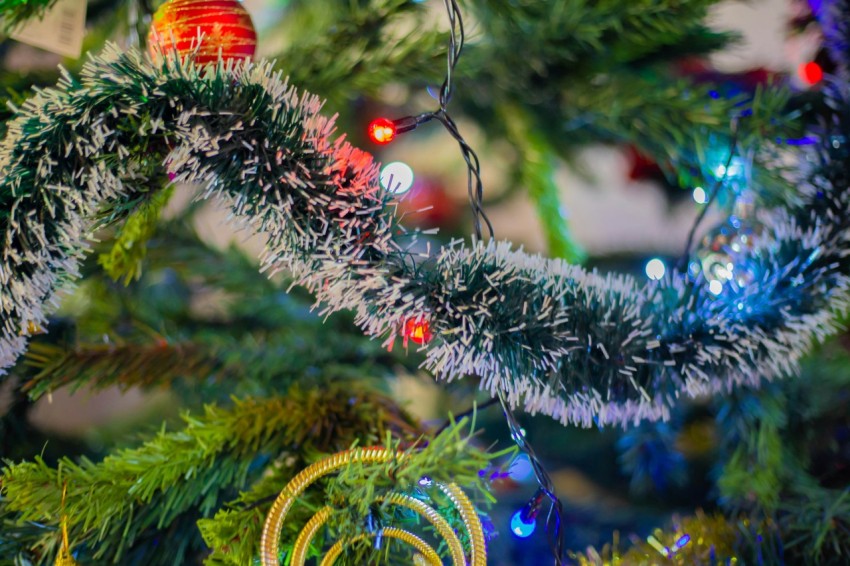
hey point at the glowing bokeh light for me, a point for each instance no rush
(519, 527)
(397, 177)
(418, 330)
(521, 469)
(655, 269)
(715, 287)
(381, 131)
(810, 72)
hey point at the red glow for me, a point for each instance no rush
(417, 330)
(381, 131)
(810, 72)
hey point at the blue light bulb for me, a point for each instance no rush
(519, 527)
(521, 469)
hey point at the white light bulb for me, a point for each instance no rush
(715, 287)
(699, 195)
(655, 269)
(397, 177)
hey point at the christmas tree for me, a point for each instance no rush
(327, 386)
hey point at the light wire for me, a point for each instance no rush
(475, 189)
(712, 196)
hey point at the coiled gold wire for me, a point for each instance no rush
(302, 542)
(270, 540)
(390, 532)
(470, 519)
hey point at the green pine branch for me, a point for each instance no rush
(98, 366)
(816, 525)
(15, 12)
(259, 340)
(210, 364)
(772, 437)
(536, 164)
(115, 504)
(234, 532)
(124, 260)
(362, 47)
(674, 121)
(543, 37)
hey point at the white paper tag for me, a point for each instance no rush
(60, 31)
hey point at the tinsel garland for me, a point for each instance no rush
(581, 347)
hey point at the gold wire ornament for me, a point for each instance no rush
(424, 553)
(64, 558)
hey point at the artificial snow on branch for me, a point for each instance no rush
(576, 345)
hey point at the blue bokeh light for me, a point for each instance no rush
(521, 469)
(520, 528)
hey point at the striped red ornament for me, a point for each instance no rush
(225, 26)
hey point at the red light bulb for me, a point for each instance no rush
(381, 131)
(810, 72)
(417, 330)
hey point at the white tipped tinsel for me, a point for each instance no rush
(557, 339)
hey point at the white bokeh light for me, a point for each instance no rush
(715, 287)
(397, 177)
(655, 269)
(699, 195)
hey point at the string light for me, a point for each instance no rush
(655, 269)
(718, 183)
(521, 469)
(716, 287)
(810, 72)
(523, 522)
(418, 330)
(732, 169)
(381, 131)
(521, 528)
(397, 177)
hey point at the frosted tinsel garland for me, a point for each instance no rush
(578, 346)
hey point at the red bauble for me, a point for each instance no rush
(225, 25)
